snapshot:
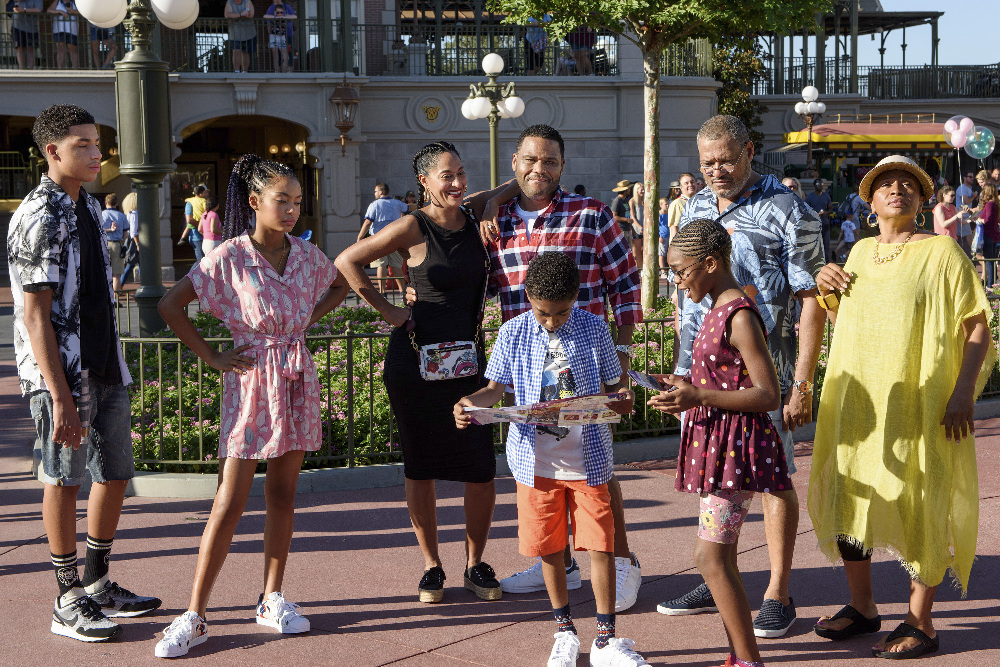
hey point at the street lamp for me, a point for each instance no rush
(809, 110)
(494, 101)
(142, 99)
(345, 101)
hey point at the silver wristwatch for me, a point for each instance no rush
(626, 350)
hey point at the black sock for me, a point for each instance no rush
(67, 575)
(564, 619)
(98, 555)
(605, 629)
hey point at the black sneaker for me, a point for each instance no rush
(81, 618)
(117, 601)
(698, 601)
(431, 586)
(482, 580)
(774, 619)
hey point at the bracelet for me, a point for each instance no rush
(828, 301)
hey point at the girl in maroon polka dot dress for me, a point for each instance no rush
(729, 447)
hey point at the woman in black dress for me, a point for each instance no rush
(448, 266)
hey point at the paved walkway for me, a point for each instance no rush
(355, 566)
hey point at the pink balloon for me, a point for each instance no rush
(959, 137)
(967, 125)
(950, 126)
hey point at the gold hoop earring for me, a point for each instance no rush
(869, 220)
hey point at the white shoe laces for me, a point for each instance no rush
(625, 649)
(530, 570)
(181, 628)
(282, 607)
(622, 567)
(564, 646)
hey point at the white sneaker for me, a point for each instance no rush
(187, 630)
(628, 578)
(532, 581)
(618, 653)
(565, 650)
(278, 613)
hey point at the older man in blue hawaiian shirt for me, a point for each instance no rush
(777, 252)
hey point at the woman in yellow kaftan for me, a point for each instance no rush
(894, 464)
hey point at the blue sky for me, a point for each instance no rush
(969, 32)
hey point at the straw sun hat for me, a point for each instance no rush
(622, 186)
(902, 163)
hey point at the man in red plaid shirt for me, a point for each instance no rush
(538, 217)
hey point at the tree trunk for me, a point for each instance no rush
(651, 57)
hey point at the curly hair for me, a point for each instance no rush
(700, 238)
(250, 174)
(542, 132)
(52, 125)
(552, 276)
(425, 159)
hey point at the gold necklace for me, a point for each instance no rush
(286, 248)
(894, 254)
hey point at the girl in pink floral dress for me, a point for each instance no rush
(267, 287)
(729, 447)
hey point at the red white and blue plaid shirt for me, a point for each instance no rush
(584, 229)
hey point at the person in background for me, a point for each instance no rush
(637, 219)
(620, 208)
(65, 32)
(24, 31)
(279, 17)
(580, 189)
(965, 198)
(847, 238)
(699, 184)
(242, 33)
(194, 206)
(995, 175)
(820, 201)
(410, 199)
(116, 229)
(582, 40)
(990, 217)
(210, 226)
(130, 209)
(380, 213)
(946, 216)
(793, 184)
(105, 37)
(675, 191)
(664, 235)
(535, 42)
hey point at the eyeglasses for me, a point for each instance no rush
(680, 275)
(727, 167)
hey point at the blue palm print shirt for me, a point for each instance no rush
(777, 251)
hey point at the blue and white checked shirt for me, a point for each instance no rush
(777, 251)
(517, 359)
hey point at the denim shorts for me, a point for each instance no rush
(67, 37)
(109, 456)
(246, 46)
(24, 39)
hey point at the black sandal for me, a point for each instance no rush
(860, 625)
(927, 645)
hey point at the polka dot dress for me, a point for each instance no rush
(722, 449)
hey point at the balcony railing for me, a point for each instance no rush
(375, 50)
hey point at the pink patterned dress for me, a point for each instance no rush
(275, 407)
(720, 449)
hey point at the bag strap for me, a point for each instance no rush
(411, 323)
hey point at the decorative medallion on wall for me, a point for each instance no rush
(431, 113)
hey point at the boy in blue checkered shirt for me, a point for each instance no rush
(558, 351)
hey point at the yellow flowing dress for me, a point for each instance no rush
(883, 476)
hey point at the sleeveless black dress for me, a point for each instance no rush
(449, 284)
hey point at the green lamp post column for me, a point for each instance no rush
(494, 101)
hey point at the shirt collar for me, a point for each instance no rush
(557, 198)
(745, 196)
(564, 330)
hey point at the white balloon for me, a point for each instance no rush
(514, 106)
(467, 109)
(176, 14)
(492, 63)
(101, 13)
(810, 93)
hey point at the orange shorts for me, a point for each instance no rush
(541, 517)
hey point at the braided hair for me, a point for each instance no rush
(424, 161)
(251, 174)
(703, 237)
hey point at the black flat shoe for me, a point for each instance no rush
(431, 586)
(859, 625)
(927, 645)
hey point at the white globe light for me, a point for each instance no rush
(502, 110)
(810, 93)
(100, 12)
(176, 14)
(492, 64)
(822, 107)
(800, 108)
(467, 108)
(482, 107)
(812, 107)
(514, 106)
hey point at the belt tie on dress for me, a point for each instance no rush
(294, 352)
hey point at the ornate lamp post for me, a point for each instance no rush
(809, 110)
(345, 101)
(142, 97)
(494, 101)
